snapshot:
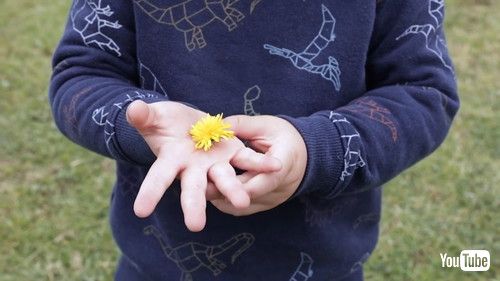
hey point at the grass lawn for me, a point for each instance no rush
(54, 194)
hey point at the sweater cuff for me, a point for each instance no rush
(324, 155)
(128, 143)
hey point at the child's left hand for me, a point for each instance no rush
(275, 137)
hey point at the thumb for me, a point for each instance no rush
(140, 115)
(247, 127)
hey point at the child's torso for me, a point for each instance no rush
(274, 57)
(255, 57)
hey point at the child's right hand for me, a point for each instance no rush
(165, 127)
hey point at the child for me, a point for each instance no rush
(339, 97)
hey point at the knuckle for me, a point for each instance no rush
(191, 187)
(192, 201)
(245, 153)
(218, 170)
(237, 121)
(251, 193)
(198, 186)
(189, 202)
(274, 181)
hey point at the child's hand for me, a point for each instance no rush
(165, 127)
(278, 138)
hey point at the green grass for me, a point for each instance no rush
(54, 194)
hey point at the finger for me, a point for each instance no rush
(140, 115)
(247, 127)
(193, 202)
(247, 159)
(264, 183)
(261, 184)
(226, 207)
(246, 176)
(159, 177)
(212, 192)
(224, 178)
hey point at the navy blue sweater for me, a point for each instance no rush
(368, 84)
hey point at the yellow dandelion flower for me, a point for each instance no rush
(208, 129)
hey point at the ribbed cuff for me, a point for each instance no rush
(128, 143)
(324, 155)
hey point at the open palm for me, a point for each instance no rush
(165, 127)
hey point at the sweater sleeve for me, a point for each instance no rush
(95, 78)
(404, 115)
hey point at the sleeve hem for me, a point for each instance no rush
(324, 155)
(127, 143)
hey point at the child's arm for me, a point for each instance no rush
(95, 78)
(403, 117)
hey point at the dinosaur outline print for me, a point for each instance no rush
(100, 115)
(434, 42)
(304, 269)
(304, 60)
(352, 155)
(192, 256)
(149, 81)
(375, 112)
(254, 4)
(250, 96)
(90, 28)
(191, 16)
(317, 215)
(357, 265)
(365, 218)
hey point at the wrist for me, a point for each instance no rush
(128, 142)
(300, 156)
(324, 159)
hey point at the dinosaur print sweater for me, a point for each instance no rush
(368, 84)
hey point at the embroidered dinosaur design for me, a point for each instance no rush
(149, 80)
(434, 41)
(366, 218)
(193, 256)
(191, 16)
(352, 155)
(304, 269)
(375, 112)
(304, 60)
(254, 4)
(251, 95)
(100, 115)
(357, 265)
(321, 214)
(88, 18)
